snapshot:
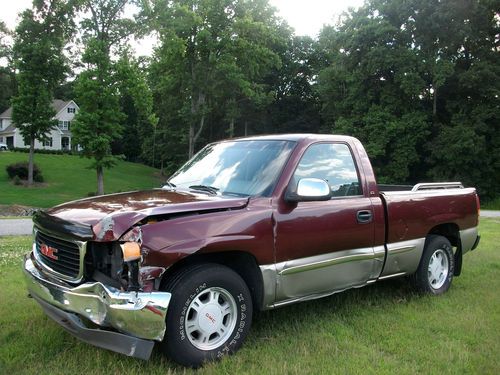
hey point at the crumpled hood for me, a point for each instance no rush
(110, 216)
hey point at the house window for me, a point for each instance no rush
(1, 124)
(64, 125)
(71, 110)
(48, 142)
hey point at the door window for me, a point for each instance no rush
(332, 162)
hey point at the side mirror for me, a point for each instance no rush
(309, 190)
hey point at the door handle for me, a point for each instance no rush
(364, 216)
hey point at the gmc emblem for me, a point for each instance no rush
(48, 251)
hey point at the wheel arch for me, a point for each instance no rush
(241, 262)
(451, 231)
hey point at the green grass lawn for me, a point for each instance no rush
(67, 178)
(384, 328)
(491, 205)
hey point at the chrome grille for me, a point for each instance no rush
(66, 260)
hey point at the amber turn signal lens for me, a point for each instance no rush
(131, 251)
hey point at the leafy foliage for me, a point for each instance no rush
(39, 41)
(418, 83)
(7, 71)
(136, 103)
(211, 65)
(98, 123)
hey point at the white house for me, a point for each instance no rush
(59, 138)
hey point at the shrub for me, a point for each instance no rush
(17, 180)
(38, 177)
(43, 151)
(20, 170)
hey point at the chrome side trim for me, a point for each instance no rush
(402, 250)
(403, 257)
(82, 246)
(315, 296)
(391, 276)
(468, 238)
(325, 263)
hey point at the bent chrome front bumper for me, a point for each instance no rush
(138, 317)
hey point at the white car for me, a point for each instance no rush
(3, 147)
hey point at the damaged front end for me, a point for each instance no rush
(97, 290)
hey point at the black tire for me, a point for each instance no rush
(199, 283)
(437, 249)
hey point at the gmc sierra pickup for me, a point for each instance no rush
(246, 224)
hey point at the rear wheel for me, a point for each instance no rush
(435, 271)
(209, 314)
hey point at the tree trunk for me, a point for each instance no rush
(191, 140)
(434, 104)
(197, 135)
(231, 128)
(30, 161)
(100, 181)
(191, 129)
(195, 108)
(154, 145)
(246, 128)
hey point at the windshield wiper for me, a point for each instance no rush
(209, 189)
(169, 185)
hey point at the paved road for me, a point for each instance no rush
(490, 213)
(16, 227)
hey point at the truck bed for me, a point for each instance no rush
(412, 215)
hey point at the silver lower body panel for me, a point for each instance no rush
(326, 274)
(468, 238)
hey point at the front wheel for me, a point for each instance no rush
(435, 271)
(209, 315)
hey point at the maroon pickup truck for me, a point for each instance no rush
(247, 224)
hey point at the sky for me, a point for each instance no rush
(305, 16)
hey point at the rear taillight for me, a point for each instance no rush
(478, 204)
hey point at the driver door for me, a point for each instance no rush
(325, 246)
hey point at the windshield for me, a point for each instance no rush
(245, 168)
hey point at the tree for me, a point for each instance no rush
(99, 120)
(211, 63)
(7, 70)
(370, 88)
(296, 107)
(418, 82)
(136, 102)
(38, 56)
(466, 147)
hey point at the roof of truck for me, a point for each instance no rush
(295, 137)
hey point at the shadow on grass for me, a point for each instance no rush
(344, 307)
